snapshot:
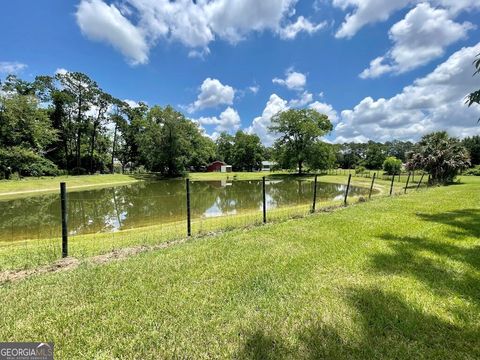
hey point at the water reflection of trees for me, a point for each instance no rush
(150, 203)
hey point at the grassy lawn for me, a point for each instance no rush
(392, 278)
(32, 186)
(257, 175)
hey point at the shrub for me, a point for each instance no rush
(25, 162)
(475, 171)
(78, 171)
(392, 165)
(359, 170)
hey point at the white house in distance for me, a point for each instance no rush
(226, 168)
(268, 165)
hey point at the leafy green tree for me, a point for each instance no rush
(472, 144)
(375, 155)
(224, 144)
(25, 133)
(321, 156)
(202, 149)
(392, 165)
(350, 155)
(399, 149)
(443, 157)
(171, 144)
(101, 102)
(130, 130)
(23, 123)
(299, 130)
(247, 152)
(81, 90)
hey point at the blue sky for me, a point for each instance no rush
(380, 69)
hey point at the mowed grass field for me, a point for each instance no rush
(32, 186)
(394, 278)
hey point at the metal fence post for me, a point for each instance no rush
(348, 187)
(314, 194)
(421, 178)
(189, 224)
(406, 185)
(391, 184)
(371, 186)
(264, 201)
(63, 202)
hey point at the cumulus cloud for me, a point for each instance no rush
(371, 11)
(291, 30)
(11, 67)
(261, 123)
(324, 108)
(366, 12)
(417, 39)
(101, 22)
(303, 100)
(293, 80)
(228, 121)
(433, 102)
(134, 26)
(212, 93)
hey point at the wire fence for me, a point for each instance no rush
(41, 230)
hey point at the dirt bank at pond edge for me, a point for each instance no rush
(71, 263)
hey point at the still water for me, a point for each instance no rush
(152, 203)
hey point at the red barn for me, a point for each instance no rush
(215, 166)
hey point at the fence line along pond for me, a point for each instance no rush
(152, 203)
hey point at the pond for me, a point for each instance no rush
(152, 203)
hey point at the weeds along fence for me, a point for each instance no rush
(72, 224)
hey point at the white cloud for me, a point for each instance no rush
(102, 22)
(291, 30)
(371, 11)
(324, 108)
(420, 37)
(61, 71)
(212, 93)
(261, 123)
(199, 54)
(11, 67)
(366, 12)
(134, 26)
(293, 80)
(433, 102)
(254, 89)
(228, 121)
(303, 100)
(133, 103)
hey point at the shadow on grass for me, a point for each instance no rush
(387, 327)
(386, 324)
(465, 221)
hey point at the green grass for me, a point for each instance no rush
(257, 175)
(391, 279)
(33, 186)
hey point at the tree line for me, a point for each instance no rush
(67, 124)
